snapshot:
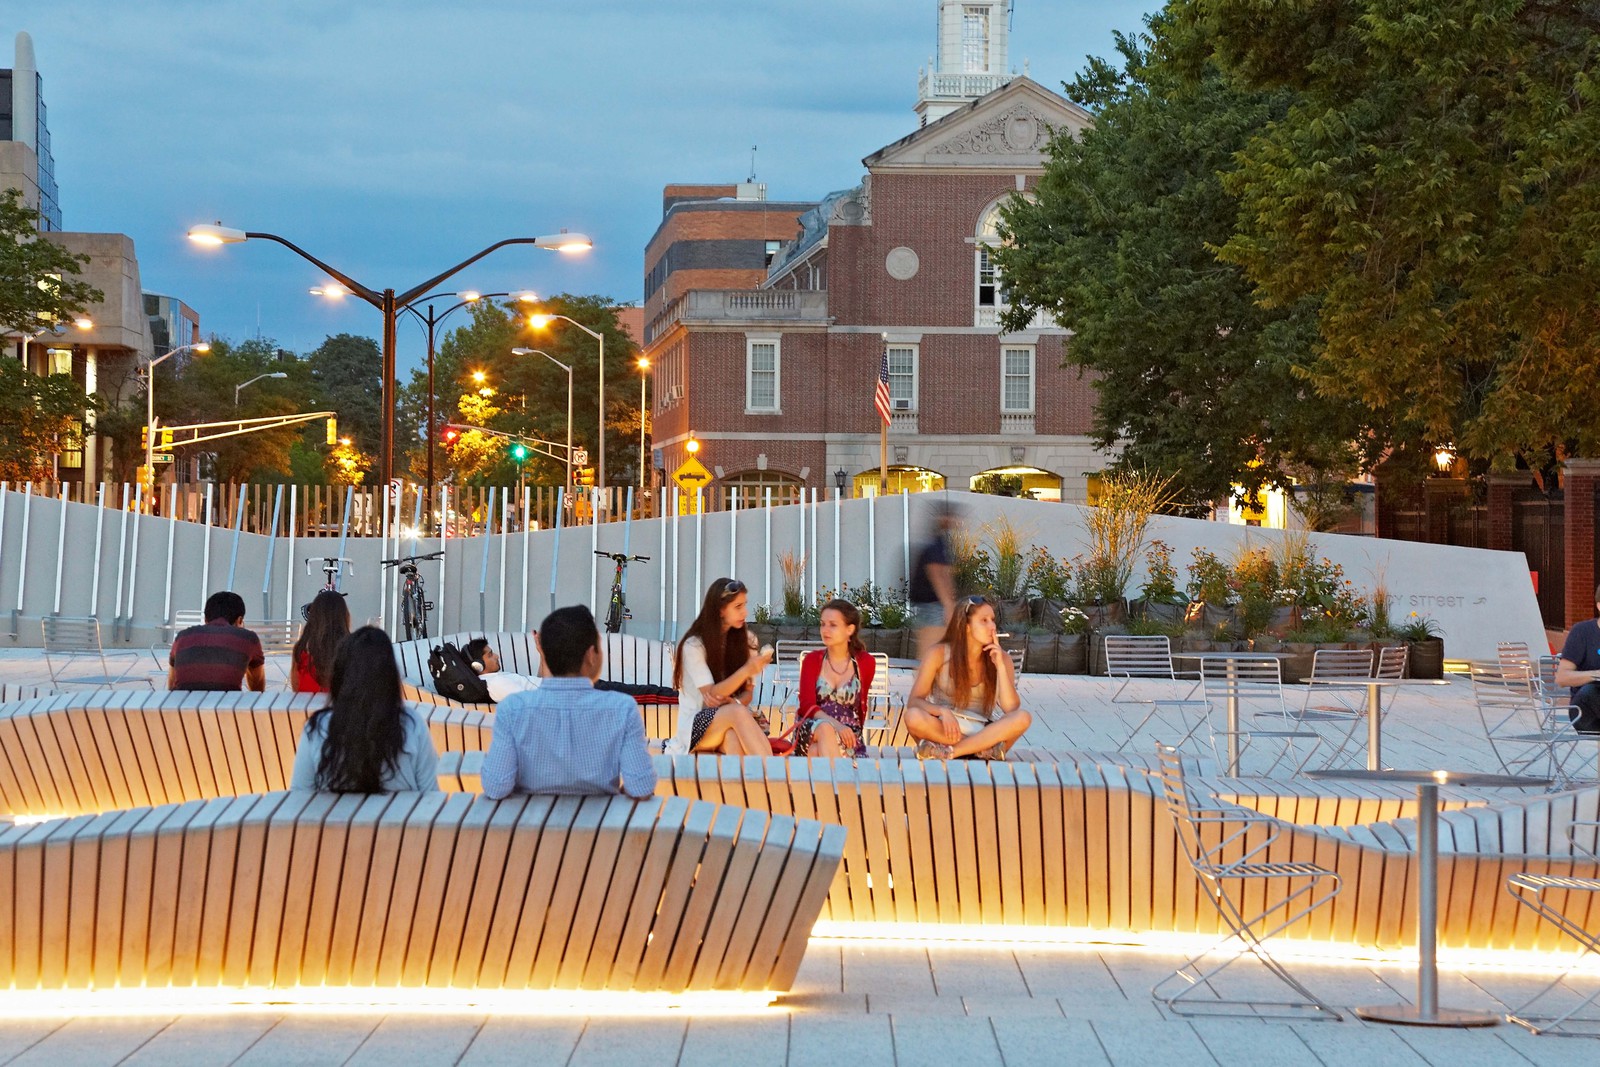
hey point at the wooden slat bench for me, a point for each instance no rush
(108, 750)
(414, 889)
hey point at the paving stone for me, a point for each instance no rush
(940, 1040)
(310, 1041)
(1048, 1042)
(760, 1042)
(612, 1042)
(824, 1041)
(1136, 1044)
(1356, 1044)
(982, 971)
(203, 1040)
(19, 1035)
(1247, 1043)
(888, 970)
(88, 1040)
(510, 1041)
(421, 1039)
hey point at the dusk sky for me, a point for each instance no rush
(395, 139)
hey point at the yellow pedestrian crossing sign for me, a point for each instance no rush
(691, 475)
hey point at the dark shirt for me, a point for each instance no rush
(1583, 648)
(933, 553)
(214, 656)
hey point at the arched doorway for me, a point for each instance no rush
(902, 479)
(1028, 482)
(749, 488)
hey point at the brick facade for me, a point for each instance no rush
(893, 261)
(1580, 481)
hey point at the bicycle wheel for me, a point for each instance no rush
(614, 614)
(408, 610)
(419, 610)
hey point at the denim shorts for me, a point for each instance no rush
(925, 615)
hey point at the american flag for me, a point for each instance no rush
(880, 396)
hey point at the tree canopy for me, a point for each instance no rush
(1195, 378)
(44, 416)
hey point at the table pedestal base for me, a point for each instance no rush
(1406, 1015)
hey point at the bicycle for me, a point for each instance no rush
(414, 605)
(332, 570)
(618, 611)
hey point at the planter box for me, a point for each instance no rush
(1426, 658)
(1102, 616)
(1045, 613)
(1014, 615)
(1043, 654)
(1158, 611)
(1072, 654)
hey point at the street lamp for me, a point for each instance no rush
(644, 366)
(539, 322)
(537, 352)
(252, 381)
(388, 302)
(838, 479)
(57, 328)
(150, 401)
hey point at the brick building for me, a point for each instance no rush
(768, 353)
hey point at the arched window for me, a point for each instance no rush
(749, 488)
(989, 297)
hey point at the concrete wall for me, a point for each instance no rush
(133, 571)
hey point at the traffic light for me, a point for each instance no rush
(519, 451)
(144, 438)
(585, 475)
(449, 435)
(333, 431)
(166, 437)
(146, 476)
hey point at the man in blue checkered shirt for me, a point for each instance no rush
(567, 736)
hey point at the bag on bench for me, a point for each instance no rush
(453, 676)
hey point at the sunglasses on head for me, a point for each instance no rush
(971, 602)
(733, 588)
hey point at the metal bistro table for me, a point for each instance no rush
(1426, 1012)
(1375, 687)
(1231, 705)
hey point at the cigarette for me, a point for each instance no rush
(1002, 635)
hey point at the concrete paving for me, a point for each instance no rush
(868, 1002)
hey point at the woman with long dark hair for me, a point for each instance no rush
(327, 623)
(715, 677)
(964, 700)
(366, 740)
(834, 681)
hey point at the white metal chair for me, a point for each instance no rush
(1227, 845)
(1345, 709)
(1255, 684)
(1130, 656)
(1530, 890)
(1392, 661)
(787, 655)
(75, 639)
(1527, 734)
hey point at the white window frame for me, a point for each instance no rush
(750, 343)
(916, 377)
(1033, 380)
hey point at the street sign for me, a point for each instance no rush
(580, 457)
(691, 475)
(162, 457)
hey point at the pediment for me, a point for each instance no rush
(1008, 129)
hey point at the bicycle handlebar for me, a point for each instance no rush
(412, 559)
(621, 557)
(330, 559)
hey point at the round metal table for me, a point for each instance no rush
(1426, 1012)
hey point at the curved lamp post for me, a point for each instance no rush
(539, 322)
(388, 302)
(252, 381)
(567, 488)
(150, 400)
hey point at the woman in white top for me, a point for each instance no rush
(366, 740)
(715, 677)
(964, 700)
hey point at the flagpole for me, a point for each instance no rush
(883, 458)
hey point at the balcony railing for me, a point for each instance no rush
(959, 86)
(988, 315)
(809, 305)
(1015, 424)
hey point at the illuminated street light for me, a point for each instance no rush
(538, 352)
(539, 322)
(150, 400)
(387, 301)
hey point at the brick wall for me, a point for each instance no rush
(1582, 476)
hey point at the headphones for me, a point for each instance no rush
(476, 666)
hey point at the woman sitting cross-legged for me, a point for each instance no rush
(715, 677)
(366, 740)
(834, 681)
(964, 701)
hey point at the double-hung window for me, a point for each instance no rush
(762, 376)
(903, 377)
(1016, 380)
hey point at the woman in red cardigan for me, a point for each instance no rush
(834, 682)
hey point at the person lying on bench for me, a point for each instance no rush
(502, 683)
(566, 736)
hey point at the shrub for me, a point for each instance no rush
(1048, 576)
(1160, 576)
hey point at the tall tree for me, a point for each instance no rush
(1435, 189)
(347, 372)
(1194, 377)
(37, 283)
(201, 389)
(44, 415)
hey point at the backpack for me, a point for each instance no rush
(454, 678)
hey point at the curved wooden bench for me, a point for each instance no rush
(414, 889)
(109, 750)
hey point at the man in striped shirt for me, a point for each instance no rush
(219, 655)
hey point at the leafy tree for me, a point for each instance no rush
(44, 415)
(347, 371)
(1194, 377)
(37, 286)
(199, 388)
(1435, 190)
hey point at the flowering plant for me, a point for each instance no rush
(1160, 576)
(1074, 621)
(1418, 628)
(1208, 579)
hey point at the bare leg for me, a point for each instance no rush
(825, 741)
(734, 732)
(1003, 731)
(924, 726)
